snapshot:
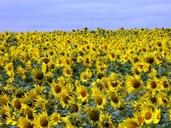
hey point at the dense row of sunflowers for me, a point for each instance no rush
(86, 79)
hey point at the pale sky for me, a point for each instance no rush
(49, 15)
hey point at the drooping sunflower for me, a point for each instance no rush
(16, 103)
(98, 97)
(67, 122)
(138, 118)
(106, 121)
(38, 75)
(28, 111)
(93, 114)
(163, 99)
(129, 123)
(41, 102)
(4, 98)
(115, 100)
(65, 99)
(25, 123)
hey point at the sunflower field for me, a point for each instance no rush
(86, 79)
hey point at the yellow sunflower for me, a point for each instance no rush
(82, 93)
(115, 100)
(55, 118)
(56, 89)
(129, 123)
(98, 97)
(41, 120)
(134, 83)
(68, 72)
(85, 75)
(24, 123)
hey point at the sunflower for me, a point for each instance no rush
(115, 100)
(137, 105)
(106, 121)
(150, 58)
(98, 97)
(28, 112)
(38, 75)
(129, 123)
(103, 84)
(163, 99)
(41, 120)
(45, 60)
(82, 93)
(67, 122)
(153, 85)
(51, 65)
(4, 99)
(41, 102)
(164, 84)
(152, 73)
(68, 61)
(85, 75)
(49, 76)
(6, 111)
(56, 89)
(68, 72)
(148, 115)
(112, 55)
(16, 103)
(143, 66)
(9, 69)
(21, 72)
(24, 123)
(60, 62)
(138, 118)
(87, 61)
(55, 118)
(38, 89)
(134, 59)
(101, 67)
(157, 115)
(93, 114)
(114, 84)
(74, 107)
(134, 84)
(65, 99)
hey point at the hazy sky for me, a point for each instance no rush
(48, 15)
